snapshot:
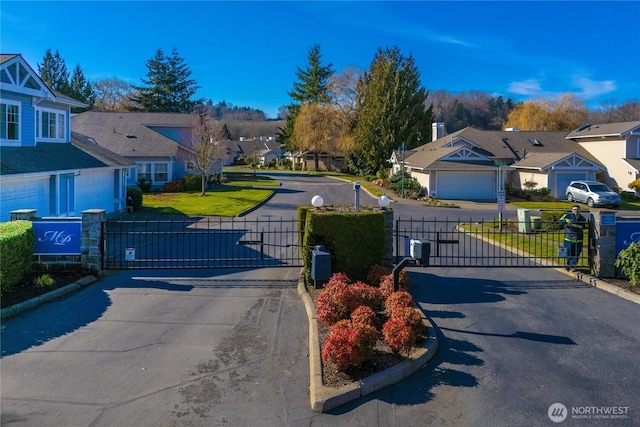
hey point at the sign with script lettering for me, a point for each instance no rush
(57, 237)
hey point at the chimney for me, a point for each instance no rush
(437, 130)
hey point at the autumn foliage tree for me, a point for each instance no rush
(321, 128)
(564, 113)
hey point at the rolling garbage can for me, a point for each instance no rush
(420, 250)
(524, 221)
(320, 265)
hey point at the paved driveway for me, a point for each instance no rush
(229, 348)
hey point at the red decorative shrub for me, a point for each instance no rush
(397, 300)
(349, 344)
(374, 277)
(363, 314)
(340, 298)
(362, 294)
(386, 285)
(331, 303)
(172, 187)
(412, 318)
(399, 335)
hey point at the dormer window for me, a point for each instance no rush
(9, 121)
(50, 125)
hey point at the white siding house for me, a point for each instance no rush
(42, 166)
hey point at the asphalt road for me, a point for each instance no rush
(229, 348)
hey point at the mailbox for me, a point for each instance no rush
(320, 264)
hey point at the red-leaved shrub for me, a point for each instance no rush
(411, 316)
(386, 285)
(172, 187)
(374, 277)
(331, 303)
(397, 300)
(362, 294)
(363, 314)
(340, 298)
(349, 344)
(399, 335)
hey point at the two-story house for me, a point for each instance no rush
(617, 146)
(42, 165)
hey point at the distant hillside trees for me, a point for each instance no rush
(168, 87)
(222, 110)
(472, 108)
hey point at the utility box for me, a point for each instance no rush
(320, 265)
(524, 221)
(420, 250)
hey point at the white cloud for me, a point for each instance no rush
(591, 89)
(529, 87)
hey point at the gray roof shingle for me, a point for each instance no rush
(45, 157)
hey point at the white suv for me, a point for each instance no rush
(592, 193)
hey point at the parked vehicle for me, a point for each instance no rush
(592, 193)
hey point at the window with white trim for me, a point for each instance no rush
(50, 124)
(9, 121)
(157, 172)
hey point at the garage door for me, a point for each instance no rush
(466, 185)
(563, 179)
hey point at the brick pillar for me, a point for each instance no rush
(91, 251)
(604, 236)
(23, 214)
(387, 259)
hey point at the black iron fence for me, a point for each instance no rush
(487, 243)
(200, 243)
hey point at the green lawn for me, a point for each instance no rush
(243, 191)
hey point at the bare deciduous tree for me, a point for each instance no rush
(206, 150)
(112, 94)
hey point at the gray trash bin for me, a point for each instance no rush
(320, 265)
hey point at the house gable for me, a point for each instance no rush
(465, 154)
(17, 76)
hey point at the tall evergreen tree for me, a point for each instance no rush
(81, 89)
(168, 87)
(312, 86)
(53, 71)
(390, 110)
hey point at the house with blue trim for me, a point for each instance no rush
(43, 165)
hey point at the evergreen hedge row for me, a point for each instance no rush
(16, 247)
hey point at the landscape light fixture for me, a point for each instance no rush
(383, 202)
(317, 201)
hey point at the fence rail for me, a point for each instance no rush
(488, 243)
(200, 243)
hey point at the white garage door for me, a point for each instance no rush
(563, 179)
(466, 185)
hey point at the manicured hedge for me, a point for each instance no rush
(354, 239)
(16, 247)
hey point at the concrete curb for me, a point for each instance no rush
(604, 286)
(16, 309)
(325, 398)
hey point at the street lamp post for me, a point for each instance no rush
(402, 170)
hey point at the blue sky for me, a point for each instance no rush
(246, 53)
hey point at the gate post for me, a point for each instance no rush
(91, 245)
(387, 258)
(604, 243)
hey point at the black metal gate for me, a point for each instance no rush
(200, 243)
(487, 243)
